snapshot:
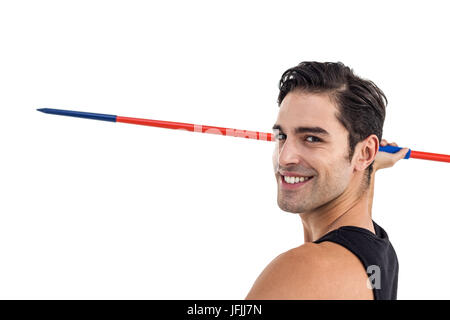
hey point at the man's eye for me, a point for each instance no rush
(282, 136)
(318, 139)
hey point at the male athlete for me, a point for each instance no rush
(328, 133)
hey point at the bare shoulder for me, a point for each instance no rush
(313, 271)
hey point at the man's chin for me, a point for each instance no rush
(291, 208)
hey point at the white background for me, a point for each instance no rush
(98, 210)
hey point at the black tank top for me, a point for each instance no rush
(375, 252)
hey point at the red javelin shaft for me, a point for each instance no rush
(247, 134)
(430, 156)
(199, 128)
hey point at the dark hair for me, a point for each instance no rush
(361, 104)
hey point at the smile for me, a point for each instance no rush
(291, 183)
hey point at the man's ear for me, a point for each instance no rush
(366, 152)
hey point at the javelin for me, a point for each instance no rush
(219, 130)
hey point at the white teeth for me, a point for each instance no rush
(295, 179)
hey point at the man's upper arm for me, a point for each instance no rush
(313, 272)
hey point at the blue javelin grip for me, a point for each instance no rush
(392, 149)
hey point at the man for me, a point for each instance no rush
(328, 133)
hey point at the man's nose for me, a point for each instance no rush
(288, 153)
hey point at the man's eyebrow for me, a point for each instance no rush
(317, 130)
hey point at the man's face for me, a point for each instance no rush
(323, 156)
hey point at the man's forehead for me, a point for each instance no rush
(312, 113)
(307, 123)
(307, 105)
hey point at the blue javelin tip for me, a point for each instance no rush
(80, 114)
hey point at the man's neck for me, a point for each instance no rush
(340, 212)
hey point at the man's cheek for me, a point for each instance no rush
(275, 160)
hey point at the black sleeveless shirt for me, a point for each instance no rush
(375, 252)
